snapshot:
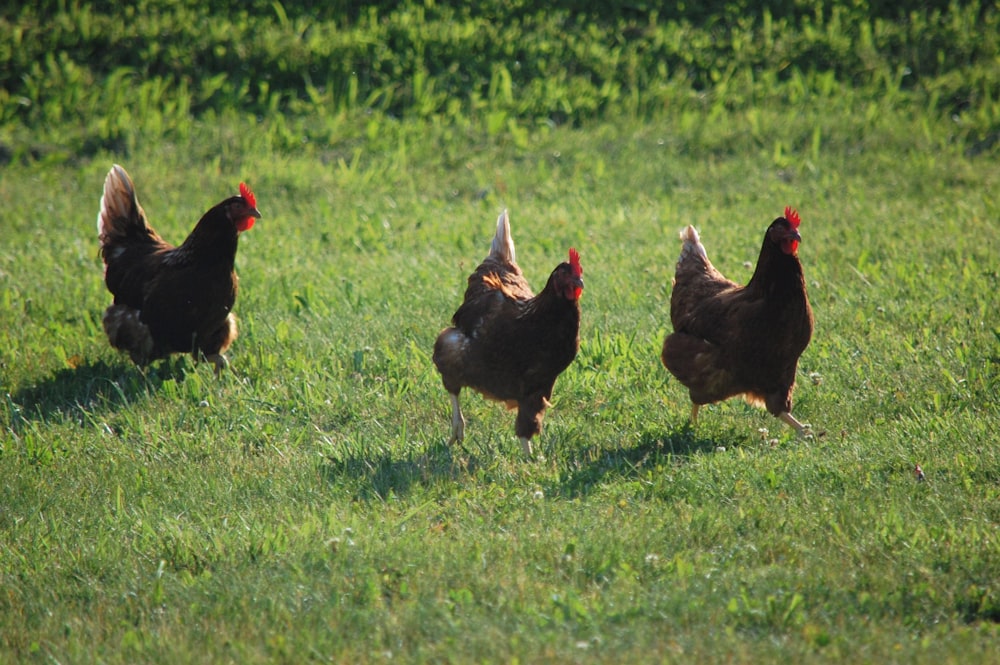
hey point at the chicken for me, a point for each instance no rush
(733, 340)
(506, 342)
(170, 299)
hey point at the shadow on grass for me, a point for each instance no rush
(79, 392)
(383, 475)
(589, 469)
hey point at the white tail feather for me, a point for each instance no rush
(117, 200)
(503, 245)
(692, 245)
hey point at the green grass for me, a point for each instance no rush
(306, 506)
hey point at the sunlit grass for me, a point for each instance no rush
(308, 498)
(305, 506)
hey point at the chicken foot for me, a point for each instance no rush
(220, 362)
(804, 430)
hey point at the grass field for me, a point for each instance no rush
(306, 507)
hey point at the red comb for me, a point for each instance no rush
(574, 262)
(248, 195)
(792, 216)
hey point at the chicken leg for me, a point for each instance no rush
(804, 430)
(457, 420)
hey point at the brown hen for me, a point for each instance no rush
(731, 340)
(170, 299)
(506, 342)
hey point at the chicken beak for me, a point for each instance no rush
(794, 235)
(246, 223)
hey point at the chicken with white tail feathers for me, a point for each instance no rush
(508, 343)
